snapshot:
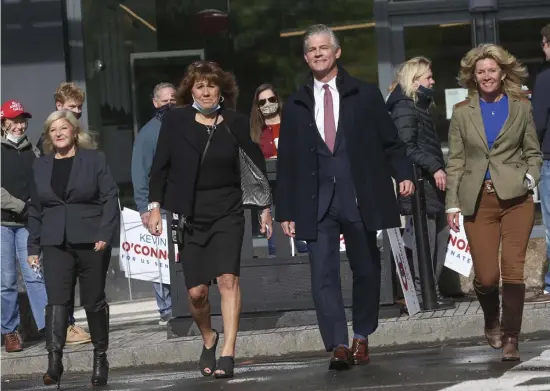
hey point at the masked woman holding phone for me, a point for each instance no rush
(196, 173)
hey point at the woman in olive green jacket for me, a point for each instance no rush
(494, 163)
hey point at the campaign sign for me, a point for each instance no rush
(403, 271)
(458, 256)
(143, 256)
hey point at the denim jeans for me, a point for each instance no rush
(164, 298)
(544, 195)
(14, 248)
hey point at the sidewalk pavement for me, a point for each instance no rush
(137, 340)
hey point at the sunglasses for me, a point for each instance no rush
(271, 99)
(198, 64)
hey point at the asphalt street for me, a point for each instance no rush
(466, 366)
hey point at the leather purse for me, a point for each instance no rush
(254, 184)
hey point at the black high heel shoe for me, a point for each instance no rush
(98, 322)
(55, 370)
(56, 334)
(208, 357)
(227, 365)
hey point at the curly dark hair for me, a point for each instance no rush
(213, 73)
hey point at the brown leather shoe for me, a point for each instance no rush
(510, 350)
(360, 351)
(341, 359)
(13, 342)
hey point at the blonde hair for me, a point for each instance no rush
(409, 72)
(515, 73)
(84, 138)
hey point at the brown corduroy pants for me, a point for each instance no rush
(496, 219)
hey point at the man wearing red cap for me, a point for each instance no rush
(18, 156)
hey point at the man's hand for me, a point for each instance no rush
(406, 188)
(440, 179)
(155, 222)
(289, 228)
(145, 218)
(453, 219)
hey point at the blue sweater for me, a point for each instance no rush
(142, 160)
(494, 116)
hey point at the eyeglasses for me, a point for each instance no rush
(271, 99)
(200, 63)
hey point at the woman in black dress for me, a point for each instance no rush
(201, 181)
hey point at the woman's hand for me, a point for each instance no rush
(453, 219)
(440, 180)
(100, 246)
(155, 222)
(33, 261)
(266, 223)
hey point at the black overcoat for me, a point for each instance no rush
(375, 151)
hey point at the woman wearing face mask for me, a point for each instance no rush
(265, 119)
(409, 105)
(494, 163)
(18, 156)
(196, 174)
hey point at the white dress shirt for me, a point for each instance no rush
(319, 95)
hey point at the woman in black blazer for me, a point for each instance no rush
(72, 217)
(207, 192)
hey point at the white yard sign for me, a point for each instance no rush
(403, 270)
(458, 256)
(142, 255)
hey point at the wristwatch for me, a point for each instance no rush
(152, 206)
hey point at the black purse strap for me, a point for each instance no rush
(210, 137)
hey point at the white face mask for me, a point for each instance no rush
(14, 139)
(269, 108)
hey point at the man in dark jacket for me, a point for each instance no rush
(541, 113)
(338, 151)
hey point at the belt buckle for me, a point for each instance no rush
(489, 187)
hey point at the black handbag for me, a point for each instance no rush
(184, 222)
(254, 184)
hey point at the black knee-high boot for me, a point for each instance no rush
(98, 323)
(56, 334)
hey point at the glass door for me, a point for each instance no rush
(444, 45)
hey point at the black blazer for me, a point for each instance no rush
(178, 154)
(90, 212)
(375, 153)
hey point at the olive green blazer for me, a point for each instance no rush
(515, 153)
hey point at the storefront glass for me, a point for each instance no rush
(258, 41)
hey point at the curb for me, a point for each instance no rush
(274, 343)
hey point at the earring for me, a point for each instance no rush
(222, 99)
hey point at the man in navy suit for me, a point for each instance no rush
(338, 151)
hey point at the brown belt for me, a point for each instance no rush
(488, 185)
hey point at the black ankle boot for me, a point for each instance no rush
(98, 323)
(56, 334)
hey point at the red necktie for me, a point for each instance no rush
(329, 123)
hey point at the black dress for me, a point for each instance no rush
(213, 247)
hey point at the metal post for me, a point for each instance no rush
(427, 280)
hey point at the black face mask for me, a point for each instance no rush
(163, 109)
(427, 93)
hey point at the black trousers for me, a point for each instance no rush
(364, 260)
(63, 264)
